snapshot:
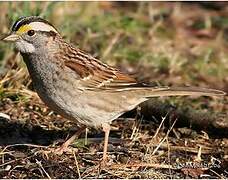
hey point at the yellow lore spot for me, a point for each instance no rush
(23, 29)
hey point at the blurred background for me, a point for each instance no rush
(169, 43)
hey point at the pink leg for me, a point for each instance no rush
(65, 145)
(106, 129)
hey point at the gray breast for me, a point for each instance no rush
(54, 86)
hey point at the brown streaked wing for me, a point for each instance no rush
(80, 69)
(97, 75)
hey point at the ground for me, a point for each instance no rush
(173, 44)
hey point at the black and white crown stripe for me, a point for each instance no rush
(37, 24)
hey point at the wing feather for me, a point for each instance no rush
(96, 75)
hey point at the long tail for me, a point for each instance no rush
(148, 92)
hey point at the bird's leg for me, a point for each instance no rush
(106, 128)
(65, 145)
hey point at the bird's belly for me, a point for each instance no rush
(78, 106)
(65, 98)
(88, 108)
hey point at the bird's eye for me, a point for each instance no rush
(31, 32)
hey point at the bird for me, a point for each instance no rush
(78, 86)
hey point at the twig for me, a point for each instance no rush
(9, 162)
(136, 129)
(157, 166)
(110, 46)
(76, 163)
(29, 145)
(168, 154)
(164, 137)
(221, 177)
(158, 129)
(86, 136)
(190, 149)
(199, 154)
(40, 165)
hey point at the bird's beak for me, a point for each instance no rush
(11, 38)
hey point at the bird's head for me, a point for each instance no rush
(31, 33)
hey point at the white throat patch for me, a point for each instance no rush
(24, 47)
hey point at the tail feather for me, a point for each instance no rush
(183, 91)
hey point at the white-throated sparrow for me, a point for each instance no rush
(77, 85)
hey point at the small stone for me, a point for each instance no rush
(8, 167)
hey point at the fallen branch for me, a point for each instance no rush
(213, 123)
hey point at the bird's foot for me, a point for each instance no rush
(65, 146)
(62, 149)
